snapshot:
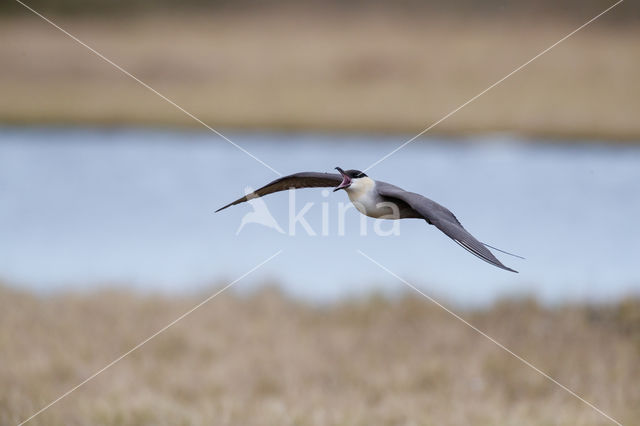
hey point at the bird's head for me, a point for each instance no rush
(348, 178)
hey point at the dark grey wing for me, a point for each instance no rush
(443, 219)
(296, 180)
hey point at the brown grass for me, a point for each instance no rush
(355, 72)
(266, 360)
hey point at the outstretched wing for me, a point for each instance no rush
(296, 180)
(444, 220)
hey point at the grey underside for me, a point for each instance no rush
(296, 180)
(416, 205)
(410, 205)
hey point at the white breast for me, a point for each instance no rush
(364, 197)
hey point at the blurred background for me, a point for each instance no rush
(107, 194)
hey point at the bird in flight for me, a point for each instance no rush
(382, 200)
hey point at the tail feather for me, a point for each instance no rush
(502, 251)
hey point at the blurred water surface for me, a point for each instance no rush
(81, 208)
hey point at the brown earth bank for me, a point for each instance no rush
(264, 359)
(368, 71)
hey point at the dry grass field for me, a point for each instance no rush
(358, 71)
(266, 360)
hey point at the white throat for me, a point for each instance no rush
(360, 187)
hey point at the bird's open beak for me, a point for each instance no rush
(346, 180)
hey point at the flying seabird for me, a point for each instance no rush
(379, 199)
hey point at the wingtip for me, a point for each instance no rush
(506, 268)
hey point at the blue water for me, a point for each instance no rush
(92, 207)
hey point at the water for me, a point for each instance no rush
(92, 207)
